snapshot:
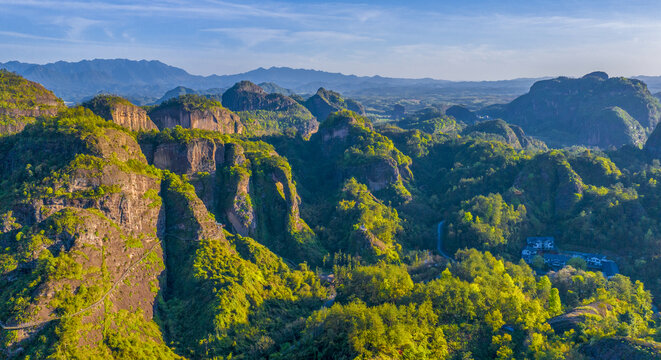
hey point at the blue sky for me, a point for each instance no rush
(455, 40)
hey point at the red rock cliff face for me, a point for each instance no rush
(132, 117)
(215, 119)
(14, 120)
(17, 119)
(114, 236)
(120, 111)
(198, 155)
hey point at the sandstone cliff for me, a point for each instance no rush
(120, 111)
(246, 185)
(95, 228)
(196, 112)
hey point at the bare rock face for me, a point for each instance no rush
(238, 208)
(617, 348)
(593, 110)
(196, 112)
(105, 217)
(132, 117)
(252, 192)
(199, 155)
(121, 112)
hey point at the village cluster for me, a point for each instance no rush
(556, 259)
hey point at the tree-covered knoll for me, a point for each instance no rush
(18, 93)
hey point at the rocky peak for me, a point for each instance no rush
(120, 111)
(325, 102)
(102, 215)
(246, 96)
(266, 114)
(196, 112)
(176, 92)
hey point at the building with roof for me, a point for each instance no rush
(555, 259)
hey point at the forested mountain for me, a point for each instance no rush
(201, 229)
(594, 110)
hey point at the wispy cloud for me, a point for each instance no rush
(75, 27)
(253, 36)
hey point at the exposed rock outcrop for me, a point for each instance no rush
(99, 226)
(228, 179)
(176, 92)
(618, 348)
(613, 126)
(578, 316)
(121, 112)
(246, 96)
(198, 155)
(196, 112)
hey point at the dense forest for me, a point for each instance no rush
(269, 226)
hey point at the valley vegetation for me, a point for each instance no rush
(261, 226)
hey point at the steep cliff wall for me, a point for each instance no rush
(93, 226)
(196, 112)
(246, 185)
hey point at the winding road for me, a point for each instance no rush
(439, 241)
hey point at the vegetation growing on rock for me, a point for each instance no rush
(195, 241)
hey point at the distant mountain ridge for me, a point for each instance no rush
(145, 82)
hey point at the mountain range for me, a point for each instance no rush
(145, 81)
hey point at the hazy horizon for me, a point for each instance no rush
(470, 41)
